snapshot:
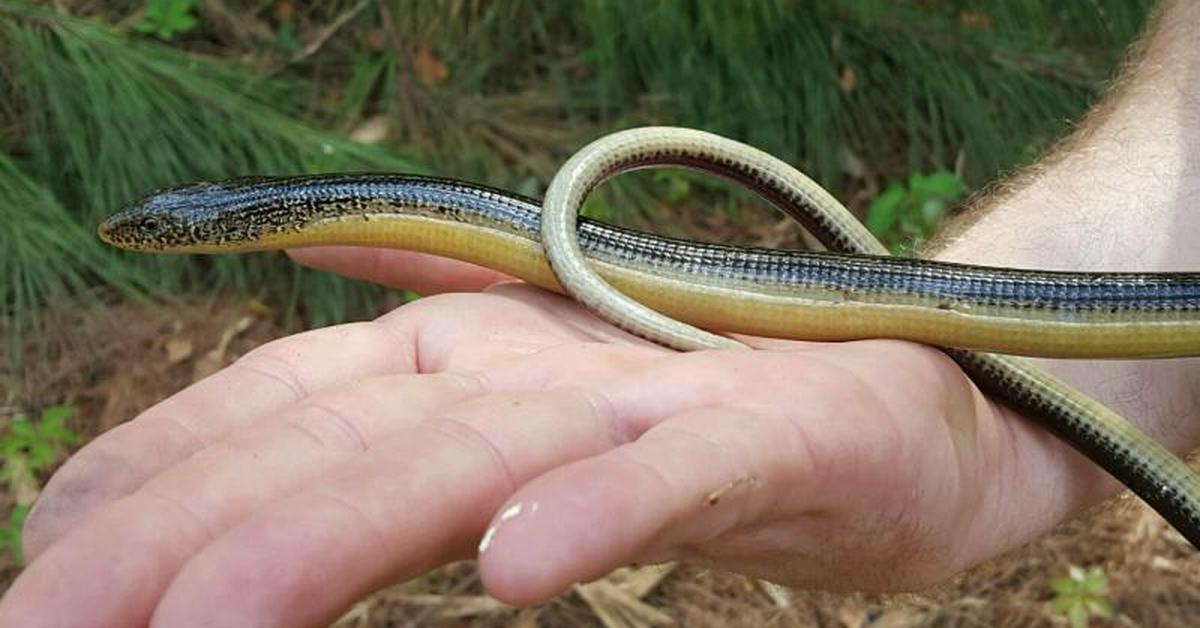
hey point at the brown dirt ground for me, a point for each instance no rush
(122, 357)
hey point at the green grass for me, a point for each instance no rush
(893, 84)
(101, 120)
(857, 92)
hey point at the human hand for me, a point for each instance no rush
(328, 464)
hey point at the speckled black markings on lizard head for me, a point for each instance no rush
(244, 210)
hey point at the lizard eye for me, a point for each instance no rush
(150, 224)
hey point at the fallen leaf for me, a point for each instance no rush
(373, 131)
(179, 348)
(848, 79)
(428, 66)
(259, 309)
(618, 609)
(780, 596)
(216, 359)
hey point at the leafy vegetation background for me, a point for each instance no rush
(101, 102)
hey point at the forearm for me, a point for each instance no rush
(1120, 194)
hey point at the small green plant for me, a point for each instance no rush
(10, 533)
(35, 445)
(167, 18)
(1082, 595)
(27, 448)
(903, 217)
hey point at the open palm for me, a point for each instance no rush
(329, 464)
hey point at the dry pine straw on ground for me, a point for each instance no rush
(121, 358)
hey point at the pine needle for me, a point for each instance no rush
(106, 119)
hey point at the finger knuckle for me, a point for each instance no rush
(330, 427)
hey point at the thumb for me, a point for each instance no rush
(422, 273)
